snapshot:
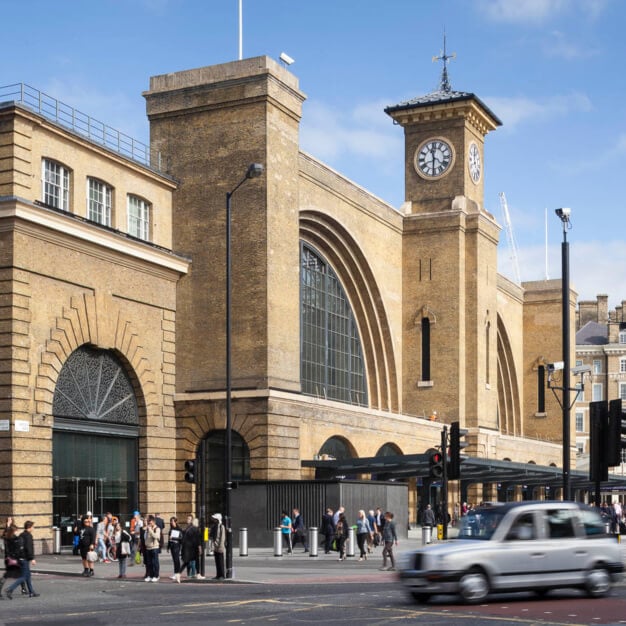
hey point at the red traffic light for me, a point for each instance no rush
(435, 470)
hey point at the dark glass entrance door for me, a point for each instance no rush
(92, 473)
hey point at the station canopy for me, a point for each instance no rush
(473, 470)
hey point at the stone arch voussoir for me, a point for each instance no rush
(78, 325)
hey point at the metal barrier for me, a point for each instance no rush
(351, 542)
(278, 541)
(56, 540)
(243, 542)
(426, 534)
(313, 540)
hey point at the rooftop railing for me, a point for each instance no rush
(82, 124)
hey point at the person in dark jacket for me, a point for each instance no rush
(26, 557)
(390, 538)
(11, 562)
(174, 544)
(328, 530)
(87, 543)
(299, 530)
(341, 535)
(190, 550)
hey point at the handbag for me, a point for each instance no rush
(11, 562)
(138, 557)
(125, 548)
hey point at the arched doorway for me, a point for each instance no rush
(95, 434)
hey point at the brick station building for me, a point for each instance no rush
(354, 322)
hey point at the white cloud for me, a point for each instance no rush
(514, 111)
(621, 143)
(521, 10)
(538, 11)
(557, 45)
(596, 267)
(113, 108)
(365, 131)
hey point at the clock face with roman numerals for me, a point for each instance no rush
(473, 162)
(433, 158)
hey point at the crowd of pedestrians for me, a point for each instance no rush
(142, 542)
(371, 529)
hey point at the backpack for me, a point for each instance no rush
(17, 548)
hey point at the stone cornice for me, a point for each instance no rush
(20, 214)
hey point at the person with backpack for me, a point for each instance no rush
(25, 554)
(11, 563)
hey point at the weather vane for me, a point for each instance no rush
(444, 58)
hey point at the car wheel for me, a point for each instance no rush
(474, 586)
(420, 597)
(598, 582)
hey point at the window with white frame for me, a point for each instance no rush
(580, 422)
(597, 366)
(55, 180)
(622, 365)
(622, 391)
(622, 336)
(579, 362)
(580, 448)
(99, 196)
(596, 392)
(580, 395)
(138, 217)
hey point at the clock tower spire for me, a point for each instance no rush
(444, 85)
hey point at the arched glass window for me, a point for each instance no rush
(336, 447)
(331, 359)
(389, 449)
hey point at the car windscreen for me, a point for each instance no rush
(480, 524)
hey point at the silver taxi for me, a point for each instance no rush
(518, 546)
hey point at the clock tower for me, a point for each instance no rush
(449, 259)
(444, 138)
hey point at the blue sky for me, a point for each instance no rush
(550, 69)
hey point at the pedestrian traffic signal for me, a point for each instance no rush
(457, 445)
(190, 471)
(435, 469)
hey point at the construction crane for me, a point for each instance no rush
(509, 237)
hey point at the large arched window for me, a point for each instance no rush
(331, 359)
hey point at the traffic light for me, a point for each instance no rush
(599, 438)
(457, 445)
(190, 471)
(617, 428)
(435, 462)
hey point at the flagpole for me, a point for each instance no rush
(240, 31)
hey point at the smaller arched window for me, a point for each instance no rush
(389, 449)
(337, 448)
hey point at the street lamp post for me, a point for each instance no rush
(254, 170)
(564, 215)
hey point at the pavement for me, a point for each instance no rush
(260, 566)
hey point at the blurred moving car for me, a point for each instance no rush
(518, 546)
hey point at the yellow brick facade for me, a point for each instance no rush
(67, 282)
